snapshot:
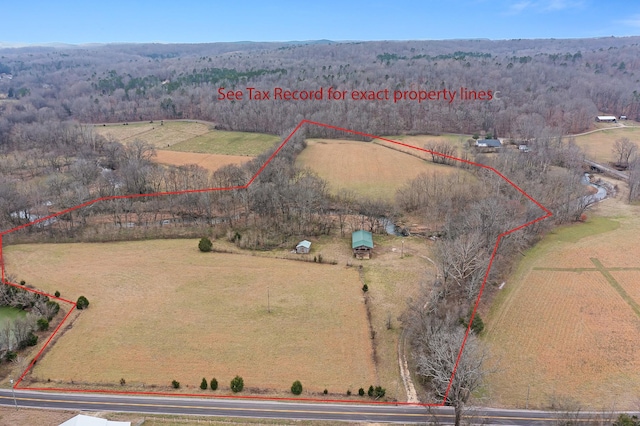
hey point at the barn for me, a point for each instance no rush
(606, 119)
(303, 247)
(362, 244)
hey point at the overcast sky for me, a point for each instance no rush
(197, 21)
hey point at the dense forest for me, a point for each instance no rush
(560, 84)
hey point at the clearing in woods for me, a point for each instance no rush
(369, 170)
(211, 162)
(599, 145)
(568, 322)
(161, 310)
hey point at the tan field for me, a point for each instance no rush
(210, 162)
(160, 136)
(190, 136)
(161, 310)
(599, 145)
(367, 169)
(567, 325)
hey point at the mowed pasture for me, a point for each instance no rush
(567, 324)
(161, 310)
(190, 136)
(159, 135)
(210, 162)
(599, 145)
(369, 170)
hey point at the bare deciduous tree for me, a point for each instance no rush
(624, 149)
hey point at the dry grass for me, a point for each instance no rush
(228, 143)
(161, 310)
(369, 170)
(599, 145)
(190, 136)
(571, 333)
(160, 136)
(9, 416)
(210, 162)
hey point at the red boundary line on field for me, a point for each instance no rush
(245, 186)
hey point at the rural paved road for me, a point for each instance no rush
(270, 409)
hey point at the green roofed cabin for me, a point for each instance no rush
(362, 244)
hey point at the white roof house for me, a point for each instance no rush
(303, 246)
(606, 118)
(82, 420)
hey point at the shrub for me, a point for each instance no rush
(349, 392)
(54, 308)
(57, 293)
(361, 392)
(23, 282)
(370, 391)
(237, 384)
(379, 392)
(325, 391)
(175, 384)
(296, 387)
(122, 382)
(43, 324)
(204, 385)
(214, 384)
(10, 356)
(365, 288)
(82, 302)
(205, 245)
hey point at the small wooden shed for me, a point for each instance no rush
(303, 247)
(362, 244)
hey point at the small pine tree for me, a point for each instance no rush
(43, 324)
(57, 294)
(82, 302)
(204, 385)
(379, 392)
(370, 391)
(361, 392)
(325, 391)
(214, 384)
(349, 392)
(122, 381)
(296, 387)
(175, 384)
(365, 288)
(205, 245)
(237, 384)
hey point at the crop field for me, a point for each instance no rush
(369, 170)
(599, 145)
(210, 162)
(161, 310)
(568, 322)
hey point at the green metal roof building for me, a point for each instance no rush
(362, 244)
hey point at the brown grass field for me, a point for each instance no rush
(598, 145)
(160, 136)
(161, 310)
(190, 136)
(369, 170)
(210, 162)
(572, 333)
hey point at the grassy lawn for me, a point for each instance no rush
(210, 162)
(565, 324)
(368, 169)
(161, 310)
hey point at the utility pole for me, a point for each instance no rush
(13, 392)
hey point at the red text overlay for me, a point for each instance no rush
(333, 94)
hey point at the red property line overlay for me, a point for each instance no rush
(547, 214)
